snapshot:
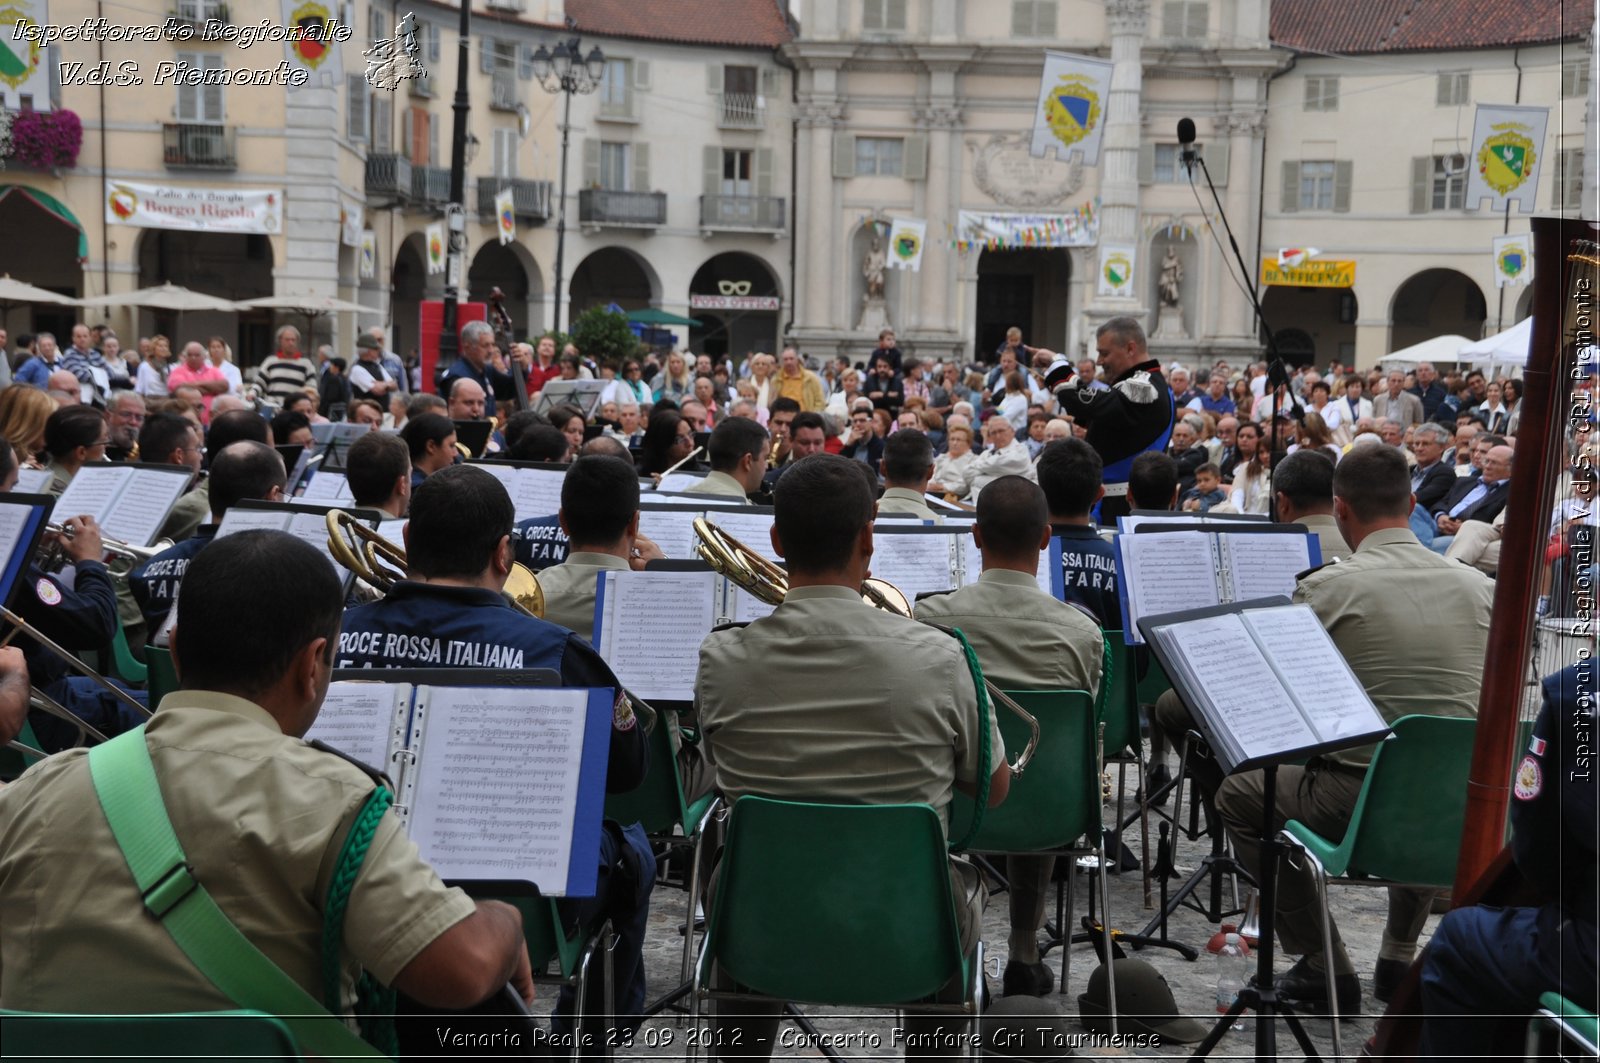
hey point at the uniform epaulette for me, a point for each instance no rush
(925, 595)
(1298, 576)
(730, 625)
(366, 769)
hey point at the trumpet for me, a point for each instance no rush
(729, 557)
(138, 555)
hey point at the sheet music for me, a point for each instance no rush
(496, 783)
(537, 492)
(651, 626)
(754, 530)
(329, 488)
(1246, 696)
(358, 719)
(241, 518)
(507, 475)
(679, 481)
(139, 511)
(91, 493)
(916, 564)
(13, 523)
(670, 529)
(32, 481)
(1310, 665)
(746, 607)
(1166, 574)
(312, 529)
(972, 565)
(1263, 565)
(1130, 522)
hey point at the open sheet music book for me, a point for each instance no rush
(34, 481)
(1264, 681)
(22, 521)
(494, 784)
(329, 487)
(1140, 517)
(303, 520)
(534, 486)
(649, 625)
(129, 502)
(1167, 569)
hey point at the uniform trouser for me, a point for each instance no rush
(622, 894)
(91, 703)
(1323, 800)
(1478, 544)
(1482, 975)
(747, 1030)
(1028, 879)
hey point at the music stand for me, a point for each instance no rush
(583, 394)
(1320, 707)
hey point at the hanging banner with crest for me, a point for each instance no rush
(505, 216)
(1070, 113)
(369, 254)
(24, 62)
(906, 238)
(1507, 149)
(1513, 260)
(433, 237)
(1116, 270)
(315, 45)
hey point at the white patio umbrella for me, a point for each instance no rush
(162, 297)
(15, 291)
(310, 305)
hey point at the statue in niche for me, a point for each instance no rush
(872, 269)
(1171, 278)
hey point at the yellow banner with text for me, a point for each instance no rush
(1316, 273)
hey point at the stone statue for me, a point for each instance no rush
(872, 269)
(1171, 278)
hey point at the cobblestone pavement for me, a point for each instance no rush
(1359, 913)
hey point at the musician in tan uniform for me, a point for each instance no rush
(1025, 640)
(738, 454)
(261, 815)
(907, 467)
(828, 699)
(1413, 627)
(600, 514)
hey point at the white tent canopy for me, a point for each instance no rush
(1508, 348)
(1438, 349)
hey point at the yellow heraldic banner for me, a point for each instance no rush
(1310, 273)
(1507, 150)
(369, 254)
(906, 239)
(1513, 259)
(317, 46)
(24, 63)
(1071, 110)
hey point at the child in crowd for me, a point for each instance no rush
(1207, 490)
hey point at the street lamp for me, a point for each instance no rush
(455, 212)
(566, 70)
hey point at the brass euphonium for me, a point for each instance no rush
(729, 557)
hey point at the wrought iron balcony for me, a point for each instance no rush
(198, 146)
(741, 110)
(529, 199)
(430, 184)
(389, 175)
(766, 213)
(598, 206)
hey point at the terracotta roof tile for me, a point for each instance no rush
(734, 23)
(1368, 26)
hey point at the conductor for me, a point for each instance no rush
(1124, 420)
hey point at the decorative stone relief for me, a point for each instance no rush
(1003, 168)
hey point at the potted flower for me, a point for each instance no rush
(46, 140)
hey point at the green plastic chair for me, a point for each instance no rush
(163, 676)
(572, 955)
(1559, 1022)
(806, 890)
(183, 1036)
(129, 668)
(1406, 826)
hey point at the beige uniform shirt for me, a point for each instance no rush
(830, 699)
(1329, 538)
(191, 511)
(569, 589)
(1025, 639)
(720, 484)
(904, 502)
(262, 818)
(1412, 625)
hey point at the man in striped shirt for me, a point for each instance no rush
(286, 372)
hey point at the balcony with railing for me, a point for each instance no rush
(529, 199)
(430, 185)
(599, 206)
(388, 176)
(764, 213)
(741, 110)
(503, 91)
(197, 146)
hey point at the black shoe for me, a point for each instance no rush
(1307, 989)
(1386, 978)
(1027, 980)
(1154, 779)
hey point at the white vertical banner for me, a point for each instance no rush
(1507, 149)
(505, 214)
(369, 254)
(906, 239)
(315, 43)
(24, 60)
(1117, 263)
(1513, 260)
(1070, 113)
(434, 239)
(350, 218)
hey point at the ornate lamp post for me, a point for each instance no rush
(567, 71)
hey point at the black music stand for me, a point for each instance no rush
(1225, 726)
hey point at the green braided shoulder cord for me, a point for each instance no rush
(981, 801)
(374, 1002)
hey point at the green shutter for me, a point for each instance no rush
(914, 160)
(1343, 172)
(1290, 201)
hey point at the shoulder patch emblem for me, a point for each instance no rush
(48, 592)
(1530, 779)
(622, 717)
(1138, 388)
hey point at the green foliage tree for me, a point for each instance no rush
(604, 336)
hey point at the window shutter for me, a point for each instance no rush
(1022, 18)
(1290, 201)
(763, 171)
(1147, 164)
(711, 161)
(844, 155)
(188, 95)
(1216, 156)
(1343, 172)
(433, 42)
(894, 14)
(212, 100)
(714, 79)
(641, 167)
(641, 74)
(770, 85)
(591, 163)
(1444, 93)
(382, 122)
(914, 160)
(408, 132)
(1172, 18)
(355, 107)
(1421, 184)
(1199, 24)
(486, 52)
(525, 62)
